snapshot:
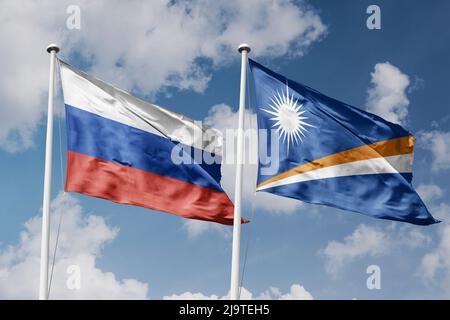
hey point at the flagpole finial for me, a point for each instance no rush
(52, 47)
(244, 47)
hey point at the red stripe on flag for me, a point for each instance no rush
(112, 181)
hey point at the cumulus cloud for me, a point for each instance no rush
(296, 292)
(429, 192)
(438, 143)
(194, 228)
(368, 241)
(81, 241)
(140, 46)
(435, 265)
(411, 237)
(441, 211)
(364, 241)
(25, 31)
(387, 95)
(245, 295)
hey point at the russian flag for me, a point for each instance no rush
(130, 151)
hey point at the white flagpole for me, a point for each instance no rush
(244, 49)
(43, 280)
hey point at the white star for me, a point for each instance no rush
(288, 118)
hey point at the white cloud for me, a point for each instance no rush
(429, 192)
(435, 265)
(191, 296)
(438, 142)
(25, 31)
(296, 292)
(441, 211)
(144, 46)
(81, 241)
(411, 237)
(368, 241)
(194, 228)
(364, 241)
(387, 95)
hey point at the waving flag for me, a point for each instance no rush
(130, 151)
(333, 154)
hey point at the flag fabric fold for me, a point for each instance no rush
(333, 154)
(130, 151)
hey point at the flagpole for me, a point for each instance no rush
(244, 49)
(45, 238)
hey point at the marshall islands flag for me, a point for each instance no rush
(130, 151)
(333, 154)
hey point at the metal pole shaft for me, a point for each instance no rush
(43, 280)
(235, 258)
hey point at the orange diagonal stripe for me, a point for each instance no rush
(393, 147)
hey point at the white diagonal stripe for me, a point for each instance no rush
(393, 164)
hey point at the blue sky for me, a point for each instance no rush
(324, 250)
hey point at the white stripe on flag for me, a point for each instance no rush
(393, 164)
(90, 94)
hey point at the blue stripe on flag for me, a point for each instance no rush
(383, 196)
(109, 140)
